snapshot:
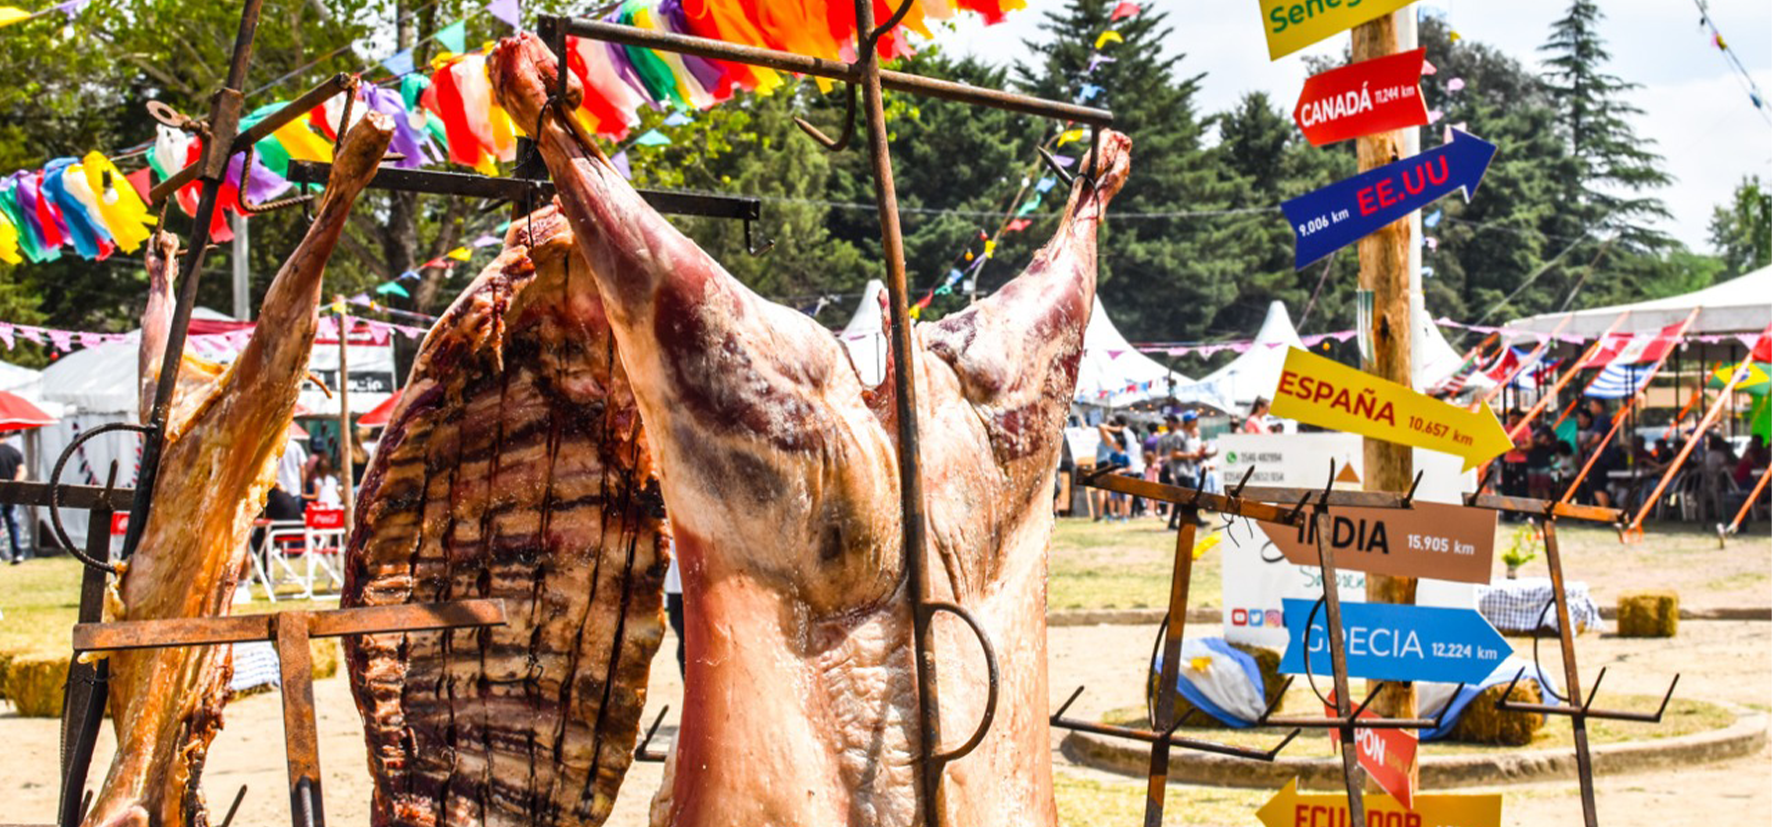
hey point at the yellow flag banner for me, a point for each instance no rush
(1329, 394)
(1294, 24)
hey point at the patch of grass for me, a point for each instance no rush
(40, 600)
(1684, 717)
(1094, 802)
(1121, 566)
(1738, 581)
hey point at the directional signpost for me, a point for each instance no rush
(1392, 642)
(1294, 24)
(1328, 394)
(1290, 808)
(1342, 213)
(1387, 755)
(1376, 95)
(1444, 542)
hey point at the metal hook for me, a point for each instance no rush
(1237, 493)
(842, 142)
(55, 477)
(1052, 164)
(640, 752)
(1409, 498)
(750, 246)
(247, 207)
(990, 701)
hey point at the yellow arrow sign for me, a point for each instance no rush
(1294, 24)
(1328, 394)
(1288, 808)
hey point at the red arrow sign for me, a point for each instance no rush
(1376, 95)
(1388, 755)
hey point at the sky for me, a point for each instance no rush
(1694, 106)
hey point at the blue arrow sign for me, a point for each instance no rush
(1389, 642)
(1346, 211)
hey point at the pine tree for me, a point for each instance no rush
(1161, 274)
(1603, 187)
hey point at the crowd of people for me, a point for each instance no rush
(1171, 451)
(1615, 473)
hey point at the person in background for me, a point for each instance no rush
(359, 456)
(1563, 467)
(12, 467)
(1257, 421)
(1114, 437)
(285, 500)
(1540, 464)
(1182, 450)
(322, 488)
(1596, 454)
(1596, 410)
(1753, 459)
(1513, 463)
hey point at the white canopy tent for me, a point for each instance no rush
(1256, 371)
(1739, 305)
(1113, 374)
(1431, 358)
(865, 336)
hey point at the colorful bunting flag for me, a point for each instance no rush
(398, 64)
(1109, 36)
(454, 36)
(508, 11)
(652, 137)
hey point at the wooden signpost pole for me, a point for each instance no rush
(1384, 270)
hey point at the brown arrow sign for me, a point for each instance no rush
(1444, 542)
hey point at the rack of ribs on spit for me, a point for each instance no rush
(515, 467)
(225, 432)
(780, 473)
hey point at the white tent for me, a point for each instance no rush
(865, 336)
(1739, 305)
(1256, 371)
(1431, 357)
(1113, 374)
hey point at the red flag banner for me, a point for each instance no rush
(1635, 349)
(1375, 95)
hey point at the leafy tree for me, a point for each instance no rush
(1742, 231)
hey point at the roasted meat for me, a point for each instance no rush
(780, 473)
(226, 431)
(515, 467)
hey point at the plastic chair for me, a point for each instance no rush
(323, 538)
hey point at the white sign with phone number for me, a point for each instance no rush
(1256, 577)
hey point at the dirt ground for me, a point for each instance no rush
(1720, 661)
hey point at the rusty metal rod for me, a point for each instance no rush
(301, 740)
(1350, 769)
(290, 112)
(433, 182)
(72, 496)
(1584, 763)
(1333, 499)
(1544, 508)
(1195, 498)
(835, 70)
(1171, 739)
(199, 631)
(1163, 715)
(224, 118)
(83, 703)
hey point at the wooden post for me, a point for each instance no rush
(1384, 270)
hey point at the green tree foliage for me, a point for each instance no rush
(1267, 161)
(1742, 230)
(1161, 273)
(1604, 187)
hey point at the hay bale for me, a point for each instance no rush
(5, 664)
(1483, 723)
(1267, 661)
(34, 684)
(1648, 614)
(327, 656)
